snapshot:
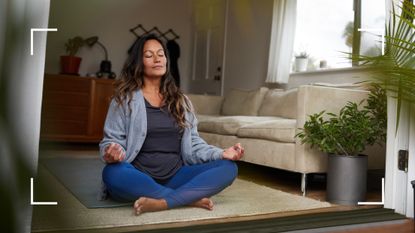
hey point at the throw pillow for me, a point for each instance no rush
(242, 102)
(278, 103)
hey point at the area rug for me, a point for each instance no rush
(82, 177)
(242, 198)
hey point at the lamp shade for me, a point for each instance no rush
(91, 40)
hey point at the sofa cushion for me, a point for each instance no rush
(227, 125)
(243, 103)
(280, 130)
(203, 117)
(206, 104)
(278, 103)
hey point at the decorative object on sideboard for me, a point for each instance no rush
(105, 66)
(301, 62)
(70, 63)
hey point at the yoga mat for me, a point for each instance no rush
(82, 177)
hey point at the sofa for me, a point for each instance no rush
(265, 121)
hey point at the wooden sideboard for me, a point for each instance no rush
(74, 108)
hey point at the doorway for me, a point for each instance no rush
(209, 31)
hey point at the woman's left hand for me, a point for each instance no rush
(234, 152)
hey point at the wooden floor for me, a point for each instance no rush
(316, 183)
(405, 226)
(290, 182)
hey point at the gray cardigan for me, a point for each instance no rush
(129, 129)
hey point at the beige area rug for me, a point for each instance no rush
(242, 198)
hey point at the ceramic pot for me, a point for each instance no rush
(70, 65)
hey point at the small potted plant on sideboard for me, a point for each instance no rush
(70, 63)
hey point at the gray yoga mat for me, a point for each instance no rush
(82, 177)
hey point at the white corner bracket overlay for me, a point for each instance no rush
(36, 202)
(38, 30)
(376, 203)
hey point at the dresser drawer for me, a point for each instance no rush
(74, 108)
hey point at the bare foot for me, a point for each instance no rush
(205, 203)
(146, 204)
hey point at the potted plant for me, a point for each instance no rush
(70, 63)
(301, 61)
(344, 137)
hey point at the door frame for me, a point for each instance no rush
(398, 190)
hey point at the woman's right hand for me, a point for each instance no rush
(234, 152)
(114, 153)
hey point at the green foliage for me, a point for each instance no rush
(349, 132)
(395, 70)
(302, 55)
(348, 34)
(73, 45)
(377, 105)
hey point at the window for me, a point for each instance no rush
(325, 29)
(373, 17)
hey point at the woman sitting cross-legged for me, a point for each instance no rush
(153, 151)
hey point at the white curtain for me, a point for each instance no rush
(282, 41)
(21, 83)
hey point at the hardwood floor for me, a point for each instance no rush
(405, 226)
(290, 182)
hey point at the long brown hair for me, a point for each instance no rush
(132, 79)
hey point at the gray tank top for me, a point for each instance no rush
(160, 156)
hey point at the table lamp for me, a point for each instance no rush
(105, 66)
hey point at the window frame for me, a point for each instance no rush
(357, 22)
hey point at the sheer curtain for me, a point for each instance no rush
(282, 41)
(21, 83)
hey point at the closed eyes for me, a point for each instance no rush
(150, 54)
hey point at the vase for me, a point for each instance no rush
(70, 65)
(346, 179)
(301, 64)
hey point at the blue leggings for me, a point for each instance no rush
(191, 183)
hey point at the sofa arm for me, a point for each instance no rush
(314, 99)
(206, 104)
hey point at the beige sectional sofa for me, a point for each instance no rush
(266, 120)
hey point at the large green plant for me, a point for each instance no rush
(349, 132)
(395, 69)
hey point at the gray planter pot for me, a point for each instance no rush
(346, 179)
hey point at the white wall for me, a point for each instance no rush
(249, 31)
(111, 20)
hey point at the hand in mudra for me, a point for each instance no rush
(234, 152)
(114, 153)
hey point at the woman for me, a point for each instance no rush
(153, 151)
